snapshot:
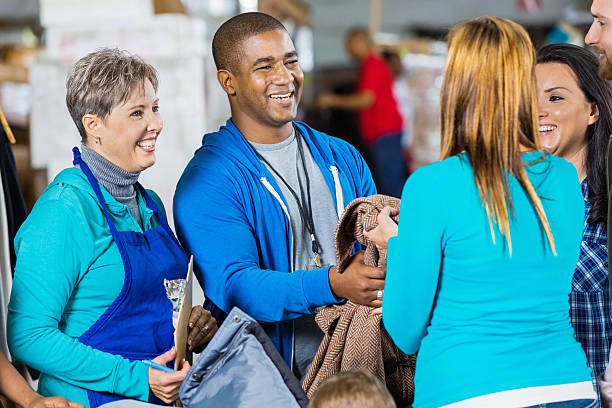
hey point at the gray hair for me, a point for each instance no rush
(102, 80)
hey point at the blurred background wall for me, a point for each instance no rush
(40, 39)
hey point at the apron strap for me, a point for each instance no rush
(149, 201)
(94, 184)
(113, 229)
(162, 219)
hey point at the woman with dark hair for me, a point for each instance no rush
(575, 122)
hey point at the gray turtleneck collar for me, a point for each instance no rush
(118, 182)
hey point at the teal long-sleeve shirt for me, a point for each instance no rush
(68, 272)
(481, 320)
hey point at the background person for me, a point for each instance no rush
(380, 120)
(481, 268)
(88, 301)
(599, 37)
(576, 123)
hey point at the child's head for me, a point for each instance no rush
(352, 389)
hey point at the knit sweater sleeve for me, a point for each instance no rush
(53, 254)
(414, 260)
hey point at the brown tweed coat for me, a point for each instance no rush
(354, 339)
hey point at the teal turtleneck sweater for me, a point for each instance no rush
(118, 182)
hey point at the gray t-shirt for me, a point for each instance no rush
(285, 158)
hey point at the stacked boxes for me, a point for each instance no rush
(423, 80)
(162, 36)
(72, 13)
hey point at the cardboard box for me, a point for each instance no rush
(90, 13)
(423, 79)
(161, 36)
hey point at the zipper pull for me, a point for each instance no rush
(317, 260)
(315, 249)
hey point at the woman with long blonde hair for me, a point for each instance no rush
(480, 269)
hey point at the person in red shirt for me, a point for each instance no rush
(380, 121)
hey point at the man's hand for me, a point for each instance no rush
(326, 100)
(359, 282)
(355, 101)
(202, 328)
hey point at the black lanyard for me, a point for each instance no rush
(305, 210)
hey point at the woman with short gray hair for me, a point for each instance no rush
(88, 307)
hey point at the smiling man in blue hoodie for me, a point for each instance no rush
(259, 202)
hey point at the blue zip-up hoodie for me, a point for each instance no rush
(231, 215)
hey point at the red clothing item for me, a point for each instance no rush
(383, 117)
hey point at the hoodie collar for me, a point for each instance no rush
(232, 141)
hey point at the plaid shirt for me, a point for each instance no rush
(590, 306)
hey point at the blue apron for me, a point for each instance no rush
(138, 324)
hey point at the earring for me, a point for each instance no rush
(97, 140)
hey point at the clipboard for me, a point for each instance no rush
(182, 329)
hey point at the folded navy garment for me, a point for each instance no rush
(240, 367)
